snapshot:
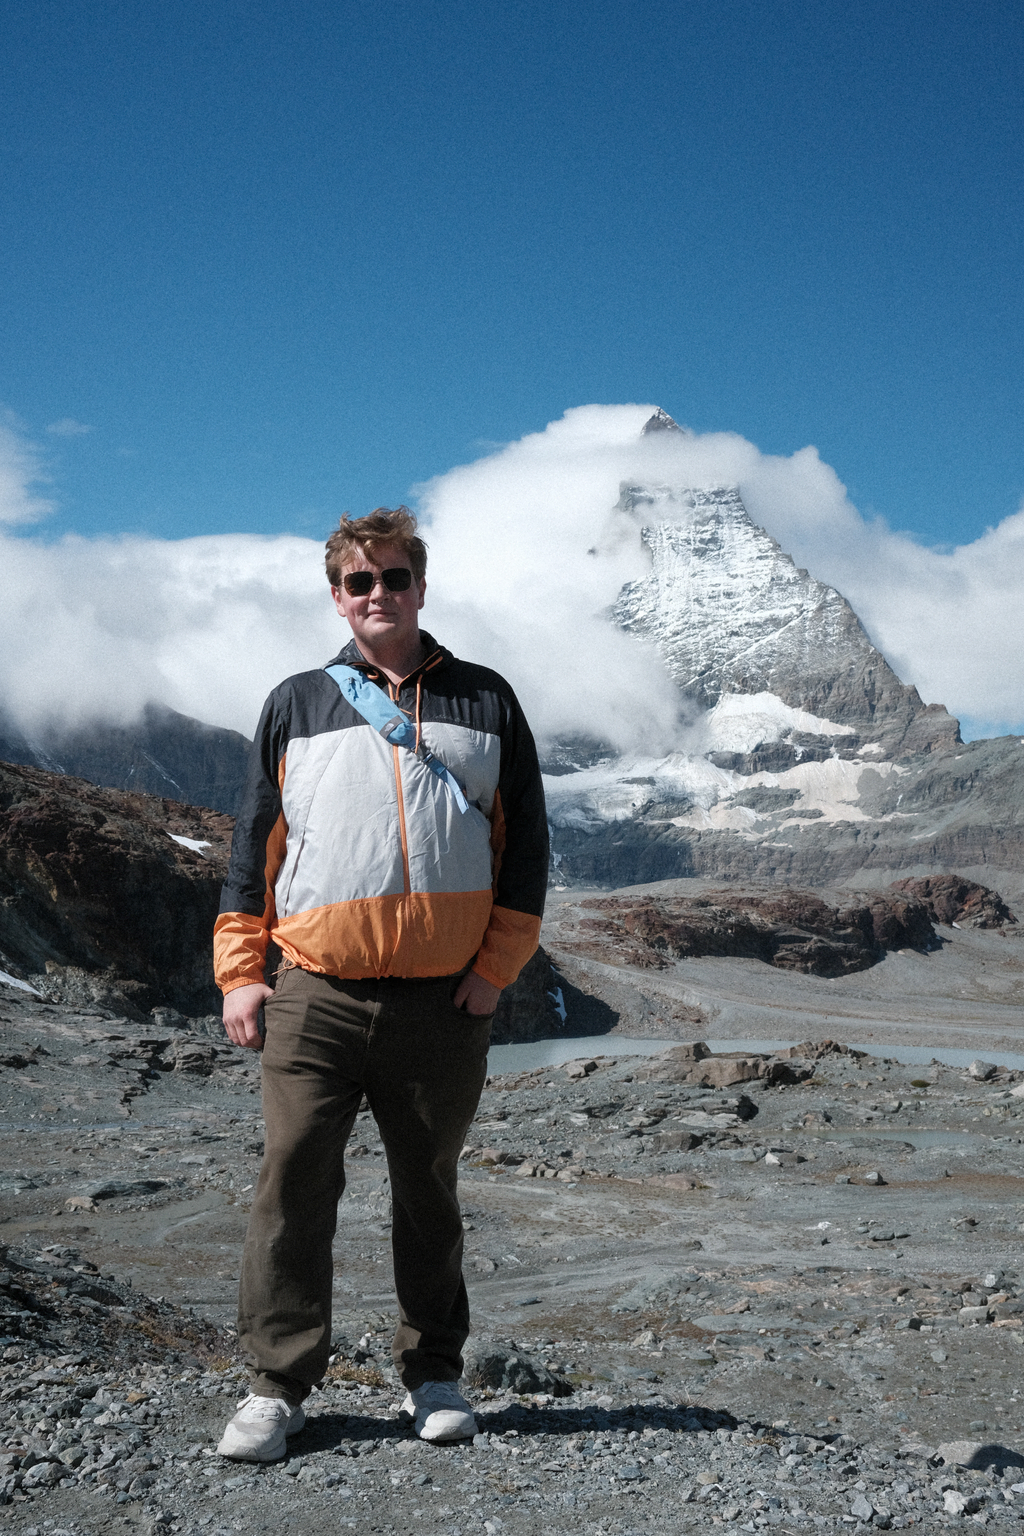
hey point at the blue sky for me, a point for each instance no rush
(286, 260)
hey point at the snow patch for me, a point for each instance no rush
(559, 1002)
(723, 817)
(689, 791)
(741, 722)
(831, 788)
(618, 791)
(189, 842)
(12, 981)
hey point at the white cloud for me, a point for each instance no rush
(68, 427)
(209, 625)
(20, 471)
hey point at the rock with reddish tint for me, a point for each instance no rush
(789, 929)
(952, 899)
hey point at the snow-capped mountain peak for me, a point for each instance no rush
(661, 421)
(732, 613)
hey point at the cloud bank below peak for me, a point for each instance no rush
(526, 558)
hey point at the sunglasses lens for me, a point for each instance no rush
(397, 579)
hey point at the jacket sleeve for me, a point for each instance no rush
(257, 850)
(519, 838)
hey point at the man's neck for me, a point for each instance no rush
(396, 665)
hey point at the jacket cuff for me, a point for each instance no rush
(239, 950)
(242, 981)
(510, 940)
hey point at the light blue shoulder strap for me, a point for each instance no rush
(390, 722)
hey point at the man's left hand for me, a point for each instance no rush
(474, 995)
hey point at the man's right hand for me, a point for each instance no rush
(241, 1013)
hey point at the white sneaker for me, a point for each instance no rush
(260, 1428)
(439, 1412)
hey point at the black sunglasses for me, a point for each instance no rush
(359, 583)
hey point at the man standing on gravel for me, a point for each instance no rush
(392, 843)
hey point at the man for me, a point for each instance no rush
(403, 885)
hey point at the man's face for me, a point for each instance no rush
(382, 617)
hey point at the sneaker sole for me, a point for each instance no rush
(251, 1455)
(445, 1435)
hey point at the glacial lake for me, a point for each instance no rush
(551, 1053)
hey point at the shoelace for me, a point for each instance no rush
(262, 1407)
(444, 1393)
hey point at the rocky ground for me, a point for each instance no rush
(750, 1291)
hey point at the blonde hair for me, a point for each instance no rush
(382, 526)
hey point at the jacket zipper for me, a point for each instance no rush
(395, 754)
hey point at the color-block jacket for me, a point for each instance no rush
(353, 856)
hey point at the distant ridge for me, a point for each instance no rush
(164, 753)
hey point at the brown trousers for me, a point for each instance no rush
(421, 1063)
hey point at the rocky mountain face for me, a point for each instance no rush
(108, 896)
(817, 823)
(164, 753)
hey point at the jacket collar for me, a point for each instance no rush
(436, 656)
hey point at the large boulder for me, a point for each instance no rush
(505, 1368)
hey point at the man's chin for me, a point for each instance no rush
(388, 631)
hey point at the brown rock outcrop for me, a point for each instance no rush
(952, 899)
(792, 930)
(102, 906)
(93, 879)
